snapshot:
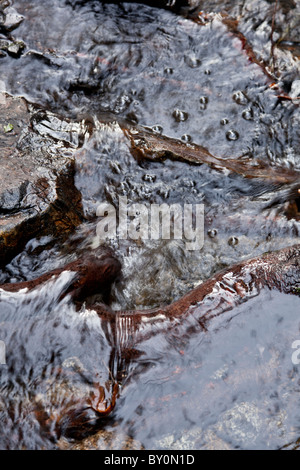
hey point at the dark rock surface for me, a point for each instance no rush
(170, 4)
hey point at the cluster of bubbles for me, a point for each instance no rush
(232, 241)
(180, 115)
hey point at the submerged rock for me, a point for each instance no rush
(9, 17)
(227, 289)
(244, 216)
(151, 146)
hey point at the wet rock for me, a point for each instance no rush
(9, 17)
(279, 270)
(151, 146)
(55, 136)
(13, 48)
(107, 171)
(271, 28)
(211, 61)
(92, 275)
(37, 193)
(226, 290)
(268, 31)
(10, 20)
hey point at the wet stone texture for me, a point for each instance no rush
(37, 192)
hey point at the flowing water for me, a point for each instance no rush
(232, 387)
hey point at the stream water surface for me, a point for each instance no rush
(234, 386)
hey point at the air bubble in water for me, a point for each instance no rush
(179, 115)
(158, 129)
(247, 114)
(239, 97)
(186, 138)
(212, 233)
(224, 121)
(149, 178)
(203, 102)
(232, 135)
(233, 241)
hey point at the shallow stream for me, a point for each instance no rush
(104, 65)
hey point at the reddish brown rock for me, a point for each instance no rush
(150, 146)
(279, 270)
(226, 290)
(92, 275)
